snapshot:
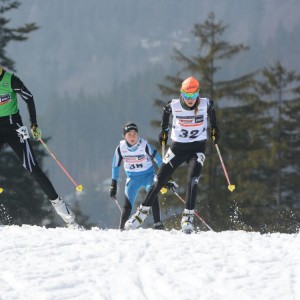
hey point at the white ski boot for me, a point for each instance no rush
(187, 221)
(65, 213)
(74, 225)
(138, 218)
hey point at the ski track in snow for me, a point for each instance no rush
(51, 264)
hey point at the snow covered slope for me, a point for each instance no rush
(38, 263)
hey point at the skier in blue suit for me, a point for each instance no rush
(137, 155)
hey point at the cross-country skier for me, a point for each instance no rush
(15, 134)
(137, 155)
(189, 135)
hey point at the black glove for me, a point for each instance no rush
(163, 136)
(215, 135)
(113, 189)
(172, 185)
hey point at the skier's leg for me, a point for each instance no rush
(155, 207)
(21, 145)
(131, 190)
(164, 173)
(194, 171)
(158, 224)
(125, 214)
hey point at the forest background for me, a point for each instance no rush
(94, 66)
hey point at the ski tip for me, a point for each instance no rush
(79, 188)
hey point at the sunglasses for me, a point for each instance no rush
(192, 96)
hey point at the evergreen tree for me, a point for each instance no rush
(8, 34)
(280, 88)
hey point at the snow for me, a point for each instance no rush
(39, 263)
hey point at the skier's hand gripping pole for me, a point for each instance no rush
(78, 186)
(1, 190)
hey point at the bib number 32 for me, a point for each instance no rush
(189, 134)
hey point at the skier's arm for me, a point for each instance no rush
(212, 114)
(166, 117)
(19, 87)
(153, 153)
(116, 163)
(215, 132)
(164, 133)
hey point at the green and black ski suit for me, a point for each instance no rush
(14, 133)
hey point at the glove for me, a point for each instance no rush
(113, 189)
(172, 185)
(163, 136)
(36, 132)
(215, 135)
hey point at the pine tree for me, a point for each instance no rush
(280, 88)
(8, 34)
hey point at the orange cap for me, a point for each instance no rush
(190, 85)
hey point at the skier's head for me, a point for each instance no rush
(189, 91)
(190, 85)
(130, 133)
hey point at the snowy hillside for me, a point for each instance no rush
(38, 264)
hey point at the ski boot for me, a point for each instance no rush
(158, 226)
(187, 221)
(65, 213)
(138, 218)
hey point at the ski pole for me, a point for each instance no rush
(163, 145)
(118, 205)
(231, 187)
(196, 214)
(79, 187)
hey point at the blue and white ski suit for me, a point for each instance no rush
(138, 166)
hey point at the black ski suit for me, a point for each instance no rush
(183, 152)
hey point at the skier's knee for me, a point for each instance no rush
(194, 181)
(200, 158)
